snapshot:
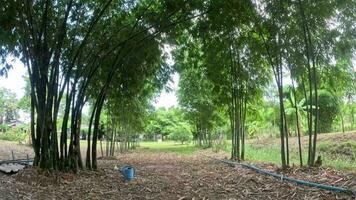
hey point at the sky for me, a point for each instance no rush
(15, 82)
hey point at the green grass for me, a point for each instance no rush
(170, 146)
(14, 136)
(340, 155)
(260, 154)
(271, 154)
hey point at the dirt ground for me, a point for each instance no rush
(20, 150)
(169, 176)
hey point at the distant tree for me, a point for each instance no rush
(196, 95)
(8, 106)
(25, 102)
(181, 132)
(163, 121)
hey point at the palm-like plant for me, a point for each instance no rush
(299, 109)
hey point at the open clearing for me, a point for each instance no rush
(162, 175)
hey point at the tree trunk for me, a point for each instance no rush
(243, 131)
(299, 137)
(342, 123)
(282, 128)
(95, 134)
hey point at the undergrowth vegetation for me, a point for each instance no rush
(338, 156)
(346, 150)
(15, 134)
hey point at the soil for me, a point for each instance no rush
(170, 176)
(20, 151)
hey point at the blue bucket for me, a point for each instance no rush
(128, 172)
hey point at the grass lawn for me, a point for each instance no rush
(338, 150)
(170, 146)
(271, 154)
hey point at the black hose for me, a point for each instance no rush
(293, 180)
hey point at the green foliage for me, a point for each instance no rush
(328, 109)
(25, 102)
(4, 127)
(196, 96)
(110, 53)
(15, 134)
(334, 155)
(163, 121)
(7, 35)
(181, 132)
(262, 119)
(220, 143)
(8, 106)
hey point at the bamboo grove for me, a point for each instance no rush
(75, 50)
(110, 54)
(236, 54)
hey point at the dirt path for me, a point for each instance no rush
(160, 176)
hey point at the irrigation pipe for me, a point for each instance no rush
(285, 178)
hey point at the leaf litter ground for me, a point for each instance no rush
(171, 176)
